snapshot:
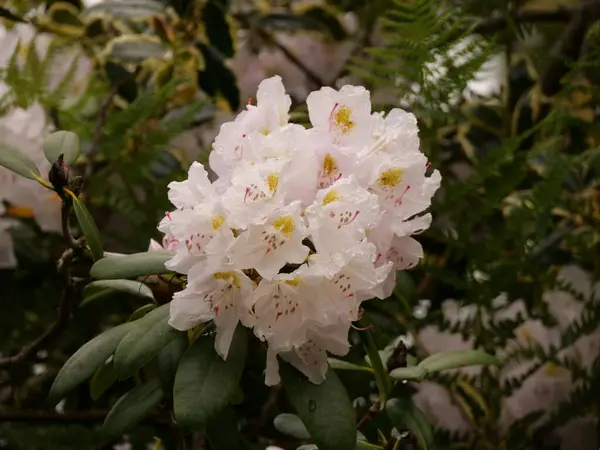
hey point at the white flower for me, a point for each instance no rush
(301, 226)
(216, 292)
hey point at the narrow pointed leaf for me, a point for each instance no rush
(103, 379)
(408, 373)
(291, 425)
(129, 266)
(325, 409)
(106, 288)
(339, 364)
(131, 408)
(204, 383)
(148, 336)
(62, 143)
(457, 358)
(141, 312)
(84, 363)
(88, 228)
(404, 415)
(17, 161)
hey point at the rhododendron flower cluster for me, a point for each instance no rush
(301, 225)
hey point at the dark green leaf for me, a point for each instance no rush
(454, 359)
(325, 409)
(141, 312)
(408, 373)
(404, 415)
(86, 361)
(62, 142)
(291, 425)
(131, 408)
(105, 288)
(222, 431)
(217, 28)
(168, 360)
(88, 228)
(217, 78)
(204, 383)
(103, 379)
(328, 20)
(17, 161)
(7, 14)
(129, 266)
(148, 336)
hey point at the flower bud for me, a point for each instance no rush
(59, 173)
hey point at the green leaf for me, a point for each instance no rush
(88, 228)
(204, 383)
(105, 288)
(291, 425)
(328, 20)
(131, 9)
(217, 28)
(129, 266)
(135, 48)
(454, 359)
(7, 14)
(103, 379)
(131, 408)
(168, 360)
(222, 431)
(325, 409)
(17, 161)
(148, 336)
(141, 312)
(62, 142)
(86, 361)
(405, 415)
(217, 78)
(339, 364)
(408, 373)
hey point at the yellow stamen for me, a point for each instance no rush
(342, 119)
(217, 221)
(285, 225)
(265, 132)
(330, 197)
(391, 177)
(226, 276)
(294, 281)
(329, 165)
(273, 181)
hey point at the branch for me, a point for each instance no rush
(495, 24)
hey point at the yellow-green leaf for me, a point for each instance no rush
(17, 161)
(88, 227)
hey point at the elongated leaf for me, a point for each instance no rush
(148, 336)
(88, 228)
(105, 288)
(404, 415)
(204, 383)
(86, 361)
(222, 431)
(62, 142)
(141, 312)
(135, 48)
(131, 408)
(131, 9)
(408, 373)
(103, 379)
(128, 266)
(7, 14)
(454, 359)
(339, 364)
(168, 359)
(291, 425)
(325, 409)
(217, 28)
(17, 161)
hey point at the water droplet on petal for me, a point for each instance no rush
(312, 405)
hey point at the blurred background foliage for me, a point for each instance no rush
(506, 94)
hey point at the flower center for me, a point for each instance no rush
(331, 196)
(235, 280)
(273, 181)
(391, 178)
(340, 117)
(285, 225)
(217, 221)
